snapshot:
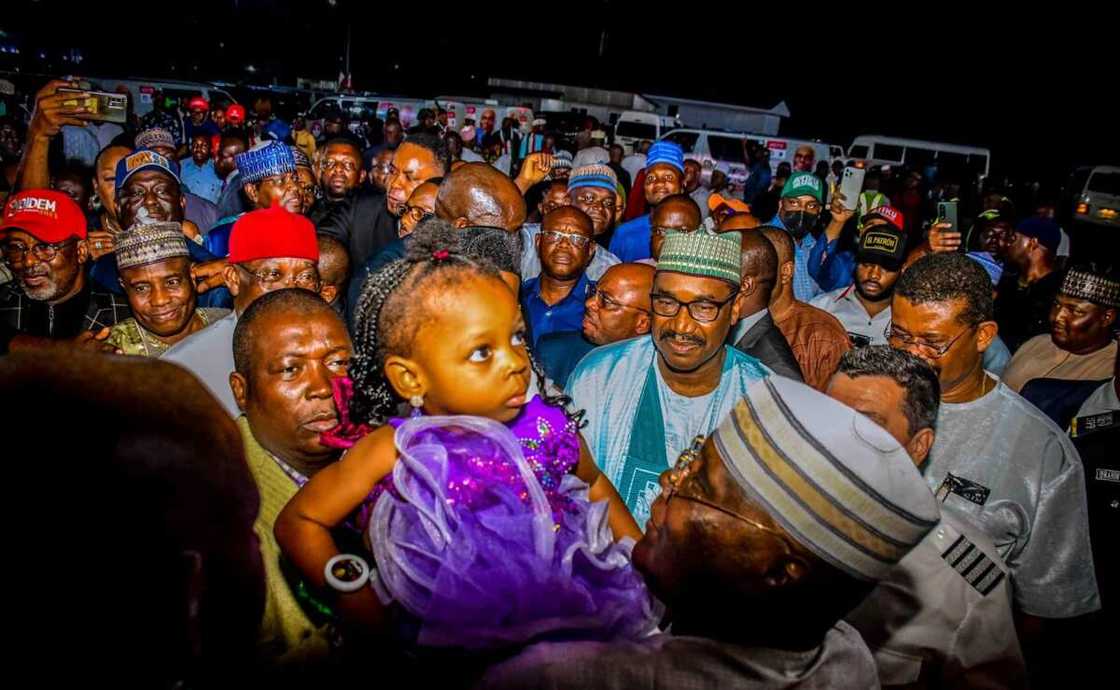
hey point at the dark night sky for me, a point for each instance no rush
(1040, 90)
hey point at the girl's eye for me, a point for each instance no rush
(480, 354)
(518, 339)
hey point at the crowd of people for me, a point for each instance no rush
(465, 406)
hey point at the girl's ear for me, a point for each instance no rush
(405, 376)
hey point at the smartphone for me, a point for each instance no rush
(947, 212)
(851, 184)
(103, 106)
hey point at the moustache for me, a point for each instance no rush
(682, 337)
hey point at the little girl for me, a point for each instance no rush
(479, 530)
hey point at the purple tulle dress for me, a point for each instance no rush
(482, 534)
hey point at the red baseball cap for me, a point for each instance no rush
(235, 114)
(45, 214)
(198, 102)
(888, 213)
(272, 233)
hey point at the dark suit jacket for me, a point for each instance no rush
(766, 343)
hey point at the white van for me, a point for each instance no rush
(712, 147)
(142, 91)
(633, 126)
(1097, 199)
(918, 155)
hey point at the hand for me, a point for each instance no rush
(100, 243)
(840, 215)
(95, 342)
(534, 169)
(942, 239)
(191, 231)
(50, 113)
(209, 275)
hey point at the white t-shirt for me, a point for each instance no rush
(208, 355)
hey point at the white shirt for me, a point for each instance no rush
(700, 196)
(469, 156)
(633, 164)
(844, 304)
(942, 617)
(503, 163)
(208, 354)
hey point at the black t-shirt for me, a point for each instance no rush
(1024, 312)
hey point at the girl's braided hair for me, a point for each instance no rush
(393, 306)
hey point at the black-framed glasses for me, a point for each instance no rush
(16, 252)
(607, 302)
(271, 278)
(927, 350)
(556, 237)
(282, 180)
(681, 485)
(702, 310)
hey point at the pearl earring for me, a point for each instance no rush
(417, 401)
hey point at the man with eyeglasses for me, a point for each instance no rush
(554, 301)
(647, 398)
(997, 460)
(592, 189)
(43, 242)
(617, 308)
(269, 249)
(766, 535)
(798, 210)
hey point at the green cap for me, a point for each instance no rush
(702, 253)
(804, 184)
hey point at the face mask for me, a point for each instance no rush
(799, 223)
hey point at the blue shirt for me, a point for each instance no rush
(630, 242)
(565, 315)
(201, 179)
(560, 352)
(804, 287)
(831, 269)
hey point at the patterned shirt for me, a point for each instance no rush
(133, 339)
(89, 310)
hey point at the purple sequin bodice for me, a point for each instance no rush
(549, 441)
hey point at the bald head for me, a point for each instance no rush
(738, 221)
(568, 218)
(334, 264)
(620, 309)
(782, 242)
(759, 270)
(478, 194)
(678, 211)
(630, 282)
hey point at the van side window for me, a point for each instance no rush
(888, 152)
(859, 151)
(1105, 183)
(726, 149)
(686, 140)
(918, 157)
(637, 130)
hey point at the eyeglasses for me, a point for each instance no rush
(16, 252)
(702, 310)
(555, 237)
(794, 204)
(271, 279)
(925, 349)
(681, 485)
(607, 302)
